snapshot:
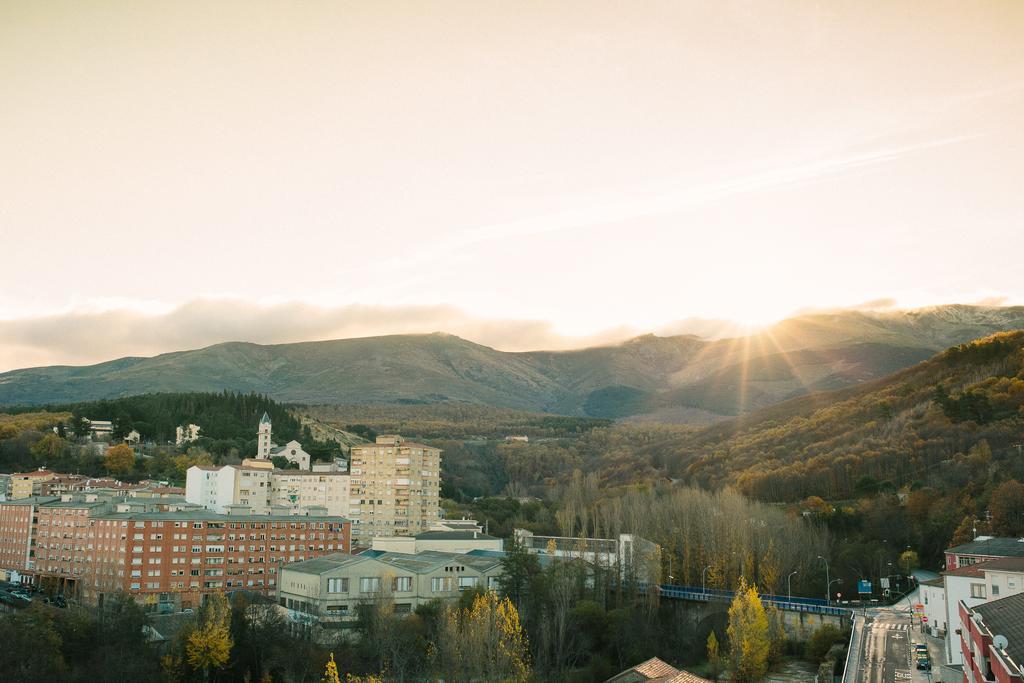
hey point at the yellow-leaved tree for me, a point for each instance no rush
(749, 638)
(331, 672)
(208, 647)
(120, 459)
(484, 643)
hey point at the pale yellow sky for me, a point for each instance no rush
(586, 167)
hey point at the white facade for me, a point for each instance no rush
(961, 584)
(184, 435)
(460, 542)
(263, 442)
(211, 487)
(260, 488)
(933, 597)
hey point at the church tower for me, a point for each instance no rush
(263, 440)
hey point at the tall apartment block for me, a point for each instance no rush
(395, 488)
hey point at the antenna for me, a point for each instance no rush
(1000, 642)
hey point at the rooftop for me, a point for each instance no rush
(206, 515)
(994, 547)
(420, 563)
(655, 669)
(1005, 617)
(973, 570)
(454, 536)
(1004, 564)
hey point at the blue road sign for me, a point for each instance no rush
(864, 587)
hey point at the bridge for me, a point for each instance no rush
(801, 617)
(782, 602)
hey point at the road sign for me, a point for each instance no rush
(885, 581)
(864, 587)
(918, 606)
(924, 618)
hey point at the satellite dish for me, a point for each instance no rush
(1000, 642)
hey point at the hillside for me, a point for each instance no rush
(674, 379)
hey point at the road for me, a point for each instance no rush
(884, 651)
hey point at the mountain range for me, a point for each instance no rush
(670, 379)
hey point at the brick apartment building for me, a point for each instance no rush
(168, 559)
(992, 640)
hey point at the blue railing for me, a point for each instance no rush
(697, 594)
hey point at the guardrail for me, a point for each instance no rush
(809, 605)
(847, 674)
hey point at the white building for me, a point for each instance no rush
(133, 437)
(628, 555)
(218, 488)
(976, 584)
(257, 485)
(445, 541)
(933, 600)
(101, 427)
(184, 435)
(267, 449)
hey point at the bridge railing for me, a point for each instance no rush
(697, 594)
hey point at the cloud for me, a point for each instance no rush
(89, 337)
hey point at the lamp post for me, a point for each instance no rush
(789, 587)
(703, 587)
(828, 583)
(830, 588)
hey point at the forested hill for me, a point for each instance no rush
(223, 416)
(680, 379)
(951, 424)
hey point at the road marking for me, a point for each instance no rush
(903, 675)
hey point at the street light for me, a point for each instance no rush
(828, 583)
(789, 587)
(830, 586)
(703, 588)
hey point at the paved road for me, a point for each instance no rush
(885, 650)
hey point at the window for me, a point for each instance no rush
(369, 584)
(337, 585)
(978, 590)
(467, 582)
(493, 583)
(995, 590)
(441, 584)
(403, 583)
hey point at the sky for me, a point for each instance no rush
(525, 174)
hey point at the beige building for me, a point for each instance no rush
(446, 541)
(329, 490)
(395, 488)
(329, 588)
(28, 484)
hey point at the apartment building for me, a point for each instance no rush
(17, 521)
(257, 485)
(992, 641)
(27, 484)
(983, 548)
(297, 488)
(219, 488)
(395, 488)
(91, 547)
(329, 588)
(174, 558)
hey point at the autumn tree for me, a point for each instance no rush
(208, 646)
(484, 643)
(331, 672)
(749, 637)
(120, 459)
(1007, 509)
